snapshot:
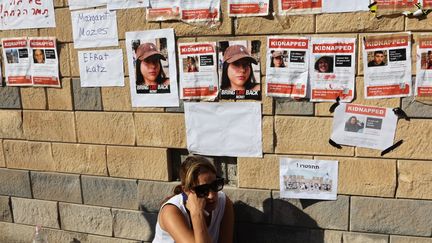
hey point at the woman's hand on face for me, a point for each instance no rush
(194, 203)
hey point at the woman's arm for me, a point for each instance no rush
(226, 230)
(172, 221)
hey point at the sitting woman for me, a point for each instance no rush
(199, 211)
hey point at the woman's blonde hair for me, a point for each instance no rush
(190, 169)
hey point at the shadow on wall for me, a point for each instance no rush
(277, 221)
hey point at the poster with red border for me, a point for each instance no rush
(287, 66)
(243, 8)
(396, 5)
(44, 62)
(198, 71)
(364, 126)
(332, 69)
(424, 67)
(293, 7)
(16, 58)
(162, 10)
(387, 65)
(200, 11)
(427, 4)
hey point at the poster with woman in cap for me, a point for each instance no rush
(239, 69)
(287, 66)
(152, 69)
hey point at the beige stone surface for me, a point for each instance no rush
(261, 173)
(58, 3)
(408, 239)
(365, 176)
(358, 22)
(302, 135)
(2, 158)
(268, 134)
(11, 124)
(18, 33)
(35, 212)
(60, 98)
(417, 144)
(10, 232)
(185, 29)
(63, 29)
(105, 128)
(267, 102)
(49, 126)
(414, 179)
(133, 20)
(160, 130)
(33, 98)
(119, 99)
(80, 158)
(73, 59)
(28, 155)
(138, 162)
(322, 109)
(88, 219)
(64, 65)
(414, 24)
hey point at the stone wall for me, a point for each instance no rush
(87, 166)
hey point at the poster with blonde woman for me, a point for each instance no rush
(152, 68)
(239, 69)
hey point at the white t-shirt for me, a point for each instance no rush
(162, 236)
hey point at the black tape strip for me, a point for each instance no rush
(335, 105)
(391, 148)
(334, 144)
(372, 4)
(400, 113)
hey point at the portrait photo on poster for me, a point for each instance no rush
(239, 69)
(287, 66)
(198, 71)
(387, 65)
(152, 68)
(332, 69)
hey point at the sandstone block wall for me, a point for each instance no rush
(85, 165)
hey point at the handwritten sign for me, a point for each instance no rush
(94, 28)
(26, 14)
(80, 4)
(101, 68)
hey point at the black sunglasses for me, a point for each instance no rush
(204, 190)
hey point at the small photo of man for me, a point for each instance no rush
(377, 58)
